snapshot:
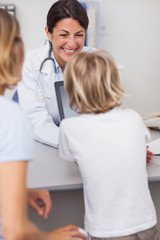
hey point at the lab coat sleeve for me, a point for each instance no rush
(44, 128)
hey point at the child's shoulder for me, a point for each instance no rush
(70, 121)
(131, 114)
(125, 114)
(124, 111)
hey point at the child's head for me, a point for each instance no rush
(92, 82)
(11, 51)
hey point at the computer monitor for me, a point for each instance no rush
(63, 102)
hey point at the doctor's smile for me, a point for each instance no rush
(69, 51)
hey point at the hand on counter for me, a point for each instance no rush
(43, 196)
(67, 232)
(149, 155)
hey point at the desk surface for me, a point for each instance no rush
(50, 172)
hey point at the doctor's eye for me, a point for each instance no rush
(63, 35)
(80, 35)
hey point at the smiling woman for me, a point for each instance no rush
(67, 23)
(67, 38)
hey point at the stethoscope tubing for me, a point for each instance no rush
(49, 58)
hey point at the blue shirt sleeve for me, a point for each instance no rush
(16, 138)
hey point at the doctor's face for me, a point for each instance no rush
(67, 38)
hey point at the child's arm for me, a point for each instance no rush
(149, 153)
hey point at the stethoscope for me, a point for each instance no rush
(49, 58)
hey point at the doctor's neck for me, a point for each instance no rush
(63, 67)
(60, 61)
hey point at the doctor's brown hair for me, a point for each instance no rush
(11, 51)
(66, 9)
(92, 82)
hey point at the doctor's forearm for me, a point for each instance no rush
(48, 135)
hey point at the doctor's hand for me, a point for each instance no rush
(67, 232)
(43, 197)
(149, 155)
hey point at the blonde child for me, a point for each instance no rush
(109, 145)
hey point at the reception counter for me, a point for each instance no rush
(48, 171)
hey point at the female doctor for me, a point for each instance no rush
(67, 23)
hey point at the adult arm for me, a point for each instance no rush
(13, 202)
(34, 196)
(15, 225)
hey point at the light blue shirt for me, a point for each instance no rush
(16, 141)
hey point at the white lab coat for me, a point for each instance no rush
(43, 112)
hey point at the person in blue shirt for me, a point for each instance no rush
(16, 149)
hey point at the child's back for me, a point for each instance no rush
(110, 149)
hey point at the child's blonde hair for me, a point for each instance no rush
(11, 50)
(92, 82)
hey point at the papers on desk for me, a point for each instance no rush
(155, 160)
(154, 147)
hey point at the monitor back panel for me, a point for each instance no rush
(63, 102)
